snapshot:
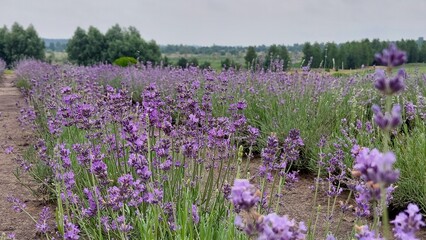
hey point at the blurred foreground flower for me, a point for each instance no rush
(391, 56)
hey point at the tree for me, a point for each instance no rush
(251, 56)
(153, 53)
(20, 43)
(193, 62)
(422, 53)
(3, 36)
(95, 46)
(330, 55)
(77, 47)
(277, 53)
(412, 50)
(182, 62)
(205, 65)
(316, 54)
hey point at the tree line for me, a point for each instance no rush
(356, 54)
(18, 43)
(91, 47)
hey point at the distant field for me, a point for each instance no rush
(214, 59)
(216, 62)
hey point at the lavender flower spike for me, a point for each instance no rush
(276, 227)
(387, 121)
(244, 195)
(391, 56)
(376, 167)
(407, 223)
(389, 86)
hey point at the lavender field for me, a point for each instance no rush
(153, 152)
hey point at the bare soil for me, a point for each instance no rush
(11, 134)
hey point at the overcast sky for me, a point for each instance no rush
(226, 22)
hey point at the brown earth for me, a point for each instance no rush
(11, 134)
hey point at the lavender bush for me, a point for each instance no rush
(149, 152)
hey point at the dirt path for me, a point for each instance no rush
(11, 135)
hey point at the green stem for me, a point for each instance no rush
(385, 217)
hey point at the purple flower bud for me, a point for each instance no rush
(194, 213)
(391, 56)
(410, 110)
(71, 231)
(42, 225)
(376, 167)
(8, 150)
(243, 194)
(276, 227)
(18, 205)
(389, 86)
(407, 223)
(364, 233)
(387, 121)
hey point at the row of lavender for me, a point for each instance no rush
(159, 166)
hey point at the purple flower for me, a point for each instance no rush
(270, 151)
(376, 167)
(407, 223)
(194, 213)
(42, 225)
(121, 225)
(276, 227)
(364, 233)
(241, 105)
(389, 86)
(99, 169)
(253, 134)
(92, 208)
(18, 205)
(71, 230)
(8, 150)
(410, 110)
(387, 121)
(243, 194)
(330, 237)
(66, 90)
(391, 56)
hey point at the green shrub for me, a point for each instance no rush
(23, 83)
(339, 74)
(411, 151)
(125, 61)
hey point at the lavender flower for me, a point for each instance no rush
(9, 150)
(389, 86)
(391, 56)
(330, 237)
(276, 227)
(244, 195)
(42, 225)
(364, 233)
(387, 121)
(18, 205)
(194, 213)
(71, 231)
(407, 223)
(410, 110)
(376, 167)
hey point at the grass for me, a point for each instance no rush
(23, 84)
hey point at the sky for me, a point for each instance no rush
(226, 22)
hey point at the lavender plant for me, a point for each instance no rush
(149, 152)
